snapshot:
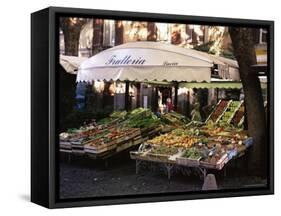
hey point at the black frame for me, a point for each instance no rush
(44, 125)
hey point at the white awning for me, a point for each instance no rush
(147, 61)
(71, 63)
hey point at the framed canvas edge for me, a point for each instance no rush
(55, 203)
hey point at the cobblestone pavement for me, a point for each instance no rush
(82, 177)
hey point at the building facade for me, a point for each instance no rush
(98, 35)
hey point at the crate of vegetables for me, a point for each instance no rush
(100, 145)
(191, 157)
(161, 153)
(127, 134)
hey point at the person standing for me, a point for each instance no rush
(169, 105)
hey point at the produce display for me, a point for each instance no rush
(141, 118)
(176, 138)
(208, 146)
(227, 113)
(109, 139)
(114, 118)
(117, 132)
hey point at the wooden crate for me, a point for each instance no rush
(134, 155)
(131, 135)
(138, 140)
(78, 149)
(183, 161)
(218, 165)
(100, 148)
(124, 146)
(207, 165)
(65, 145)
(65, 150)
(93, 150)
(221, 162)
(156, 157)
(167, 129)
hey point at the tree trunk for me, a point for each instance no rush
(244, 50)
(151, 31)
(119, 31)
(97, 36)
(71, 28)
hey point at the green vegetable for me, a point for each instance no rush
(192, 153)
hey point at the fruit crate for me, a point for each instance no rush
(219, 110)
(238, 117)
(230, 112)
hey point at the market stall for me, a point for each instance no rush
(159, 64)
(203, 146)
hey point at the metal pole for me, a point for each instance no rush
(176, 96)
(127, 95)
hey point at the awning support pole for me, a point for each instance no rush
(188, 104)
(176, 96)
(155, 108)
(127, 95)
(138, 94)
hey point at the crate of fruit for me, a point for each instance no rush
(218, 111)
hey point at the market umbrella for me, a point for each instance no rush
(146, 61)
